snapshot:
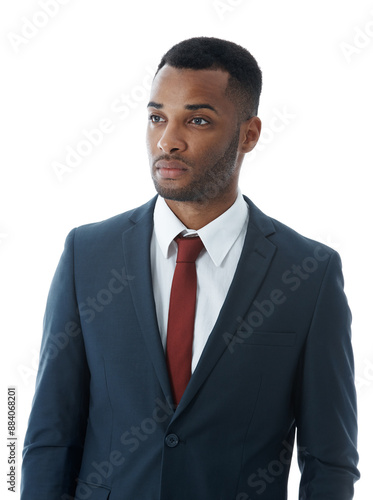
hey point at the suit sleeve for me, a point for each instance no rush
(56, 429)
(326, 415)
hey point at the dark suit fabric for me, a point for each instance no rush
(279, 358)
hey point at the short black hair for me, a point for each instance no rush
(245, 76)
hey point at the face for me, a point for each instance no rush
(193, 135)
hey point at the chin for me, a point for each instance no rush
(176, 194)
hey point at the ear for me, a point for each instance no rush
(249, 134)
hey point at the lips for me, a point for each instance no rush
(170, 169)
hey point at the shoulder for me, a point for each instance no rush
(113, 227)
(102, 240)
(290, 244)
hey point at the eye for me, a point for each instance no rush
(156, 119)
(199, 121)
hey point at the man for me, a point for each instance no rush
(176, 377)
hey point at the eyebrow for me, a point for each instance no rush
(155, 105)
(189, 107)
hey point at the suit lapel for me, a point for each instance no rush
(251, 270)
(136, 249)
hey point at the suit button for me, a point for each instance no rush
(172, 440)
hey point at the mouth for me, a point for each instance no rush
(170, 169)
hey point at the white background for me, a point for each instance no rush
(66, 71)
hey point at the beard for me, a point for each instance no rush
(214, 177)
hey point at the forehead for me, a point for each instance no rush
(174, 86)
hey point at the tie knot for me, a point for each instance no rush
(188, 248)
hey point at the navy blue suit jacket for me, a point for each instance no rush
(103, 425)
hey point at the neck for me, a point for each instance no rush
(197, 214)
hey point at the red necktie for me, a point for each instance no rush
(181, 315)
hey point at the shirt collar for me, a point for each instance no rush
(218, 236)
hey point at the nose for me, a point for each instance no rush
(171, 140)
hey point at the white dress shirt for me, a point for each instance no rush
(223, 240)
